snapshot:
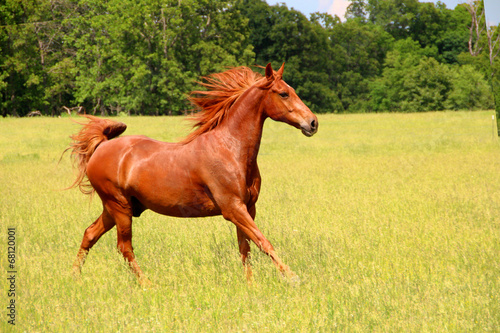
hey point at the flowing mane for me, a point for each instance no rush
(223, 89)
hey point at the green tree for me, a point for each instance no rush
(395, 16)
(411, 81)
(432, 25)
(21, 76)
(144, 56)
(470, 90)
(279, 35)
(362, 49)
(36, 66)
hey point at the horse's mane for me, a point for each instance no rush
(223, 89)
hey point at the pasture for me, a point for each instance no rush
(391, 221)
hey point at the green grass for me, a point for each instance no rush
(392, 222)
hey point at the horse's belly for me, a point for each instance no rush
(179, 202)
(188, 209)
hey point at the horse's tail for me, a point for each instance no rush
(84, 144)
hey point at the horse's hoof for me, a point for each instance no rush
(294, 280)
(145, 283)
(76, 273)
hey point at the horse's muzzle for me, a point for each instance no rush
(310, 127)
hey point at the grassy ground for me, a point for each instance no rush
(391, 221)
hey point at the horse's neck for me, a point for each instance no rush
(245, 122)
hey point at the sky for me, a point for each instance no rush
(338, 7)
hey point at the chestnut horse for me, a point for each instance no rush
(212, 172)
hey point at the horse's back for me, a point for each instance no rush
(112, 161)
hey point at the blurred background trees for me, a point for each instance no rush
(144, 56)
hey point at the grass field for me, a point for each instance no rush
(392, 222)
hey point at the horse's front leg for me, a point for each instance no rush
(244, 246)
(240, 216)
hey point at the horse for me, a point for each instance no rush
(213, 171)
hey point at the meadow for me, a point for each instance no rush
(391, 221)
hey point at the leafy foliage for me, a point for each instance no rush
(144, 56)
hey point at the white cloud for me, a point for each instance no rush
(337, 7)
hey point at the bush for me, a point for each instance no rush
(470, 90)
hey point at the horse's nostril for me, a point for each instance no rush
(313, 124)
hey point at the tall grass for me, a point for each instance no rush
(390, 220)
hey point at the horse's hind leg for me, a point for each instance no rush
(92, 234)
(124, 232)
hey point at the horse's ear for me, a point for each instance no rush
(279, 73)
(269, 72)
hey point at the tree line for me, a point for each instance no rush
(145, 56)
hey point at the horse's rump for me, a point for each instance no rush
(85, 142)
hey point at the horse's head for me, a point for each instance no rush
(283, 104)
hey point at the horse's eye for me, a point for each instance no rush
(283, 94)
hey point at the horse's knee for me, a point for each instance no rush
(89, 238)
